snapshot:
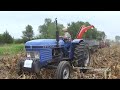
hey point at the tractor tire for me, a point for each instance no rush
(63, 70)
(82, 56)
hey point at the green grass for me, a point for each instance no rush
(11, 49)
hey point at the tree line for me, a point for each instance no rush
(117, 39)
(48, 30)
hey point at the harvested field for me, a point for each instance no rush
(103, 58)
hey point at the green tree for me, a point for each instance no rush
(75, 27)
(28, 33)
(7, 38)
(91, 33)
(117, 38)
(18, 41)
(48, 29)
(1, 39)
(101, 35)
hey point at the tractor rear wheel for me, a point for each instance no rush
(82, 56)
(63, 70)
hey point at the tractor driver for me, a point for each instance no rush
(67, 38)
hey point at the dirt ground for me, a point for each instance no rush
(108, 58)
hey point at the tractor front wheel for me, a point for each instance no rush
(63, 70)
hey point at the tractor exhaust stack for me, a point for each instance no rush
(57, 33)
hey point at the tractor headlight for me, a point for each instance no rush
(33, 54)
(28, 54)
(37, 55)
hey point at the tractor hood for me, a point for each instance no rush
(43, 42)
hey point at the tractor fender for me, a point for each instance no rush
(77, 41)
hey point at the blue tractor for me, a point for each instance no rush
(56, 54)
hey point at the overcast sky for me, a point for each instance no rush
(15, 21)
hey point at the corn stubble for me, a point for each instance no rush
(103, 58)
